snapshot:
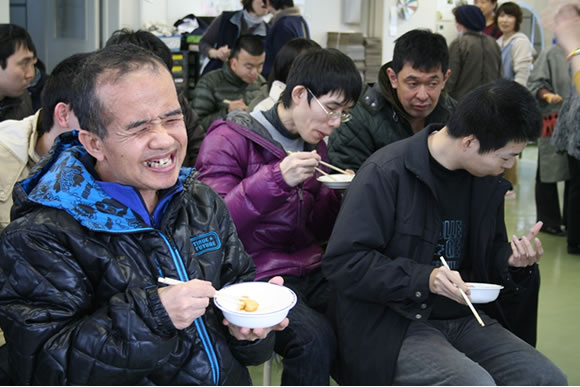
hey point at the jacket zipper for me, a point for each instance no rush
(300, 199)
(199, 323)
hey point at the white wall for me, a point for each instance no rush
(4, 11)
(322, 15)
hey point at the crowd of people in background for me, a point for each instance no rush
(112, 176)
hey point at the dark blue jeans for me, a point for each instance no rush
(308, 344)
(460, 352)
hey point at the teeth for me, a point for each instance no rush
(159, 163)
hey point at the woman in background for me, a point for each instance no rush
(287, 24)
(225, 29)
(516, 58)
(488, 8)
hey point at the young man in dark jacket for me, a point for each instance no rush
(400, 315)
(95, 226)
(263, 165)
(407, 97)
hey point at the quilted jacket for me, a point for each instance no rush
(281, 227)
(378, 119)
(78, 283)
(219, 85)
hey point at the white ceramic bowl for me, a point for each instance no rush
(274, 302)
(336, 181)
(483, 293)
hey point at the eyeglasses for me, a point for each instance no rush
(332, 115)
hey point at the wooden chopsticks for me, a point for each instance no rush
(467, 300)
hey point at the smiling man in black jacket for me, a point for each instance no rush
(400, 316)
(98, 222)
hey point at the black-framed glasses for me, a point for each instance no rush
(332, 115)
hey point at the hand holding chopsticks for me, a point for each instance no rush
(467, 300)
(329, 166)
(171, 281)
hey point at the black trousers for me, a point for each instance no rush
(573, 209)
(548, 203)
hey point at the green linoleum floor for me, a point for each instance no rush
(559, 310)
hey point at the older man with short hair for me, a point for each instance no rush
(99, 222)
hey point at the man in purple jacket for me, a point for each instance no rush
(263, 165)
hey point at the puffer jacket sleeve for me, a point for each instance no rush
(353, 142)
(57, 334)
(205, 103)
(222, 164)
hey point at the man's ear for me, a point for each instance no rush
(61, 115)
(470, 143)
(392, 77)
(92, 143)
(298, 92)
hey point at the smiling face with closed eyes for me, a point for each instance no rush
(146, 138)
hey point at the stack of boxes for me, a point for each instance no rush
(365, 52)
(373, 59)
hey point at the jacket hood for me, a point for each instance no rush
(389, 93)
(61, 181)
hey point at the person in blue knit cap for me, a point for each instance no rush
(474, 58)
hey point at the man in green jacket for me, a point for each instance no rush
(233, 86)
(406, 98)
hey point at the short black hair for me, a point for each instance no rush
(12, 37)
(286, 56)
(108, 65)
(143, 39)
(252, 44)
(497, 113)
(281, 4)
(248, 6)
(422, 49)
(511, 9)
(58, 88)
(323, 71)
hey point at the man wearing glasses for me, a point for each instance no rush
(263, 165)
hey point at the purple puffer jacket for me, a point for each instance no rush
(280, 226)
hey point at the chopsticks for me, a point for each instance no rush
(467, 300)
(326, 165)
(335, 168)
(171, 281)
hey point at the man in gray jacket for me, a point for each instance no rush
(406, 98)
(474, 58)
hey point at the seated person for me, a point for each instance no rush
(234, 85)
(145, 39)
(17, 59)
(263, 165)
(24, 142)
(270, 92)
(407, 96)
(94, 227)
(401, 318)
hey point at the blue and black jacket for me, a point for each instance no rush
(78, 282)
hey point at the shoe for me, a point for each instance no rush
(574, 249)
(511, 194)
(556, 231)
